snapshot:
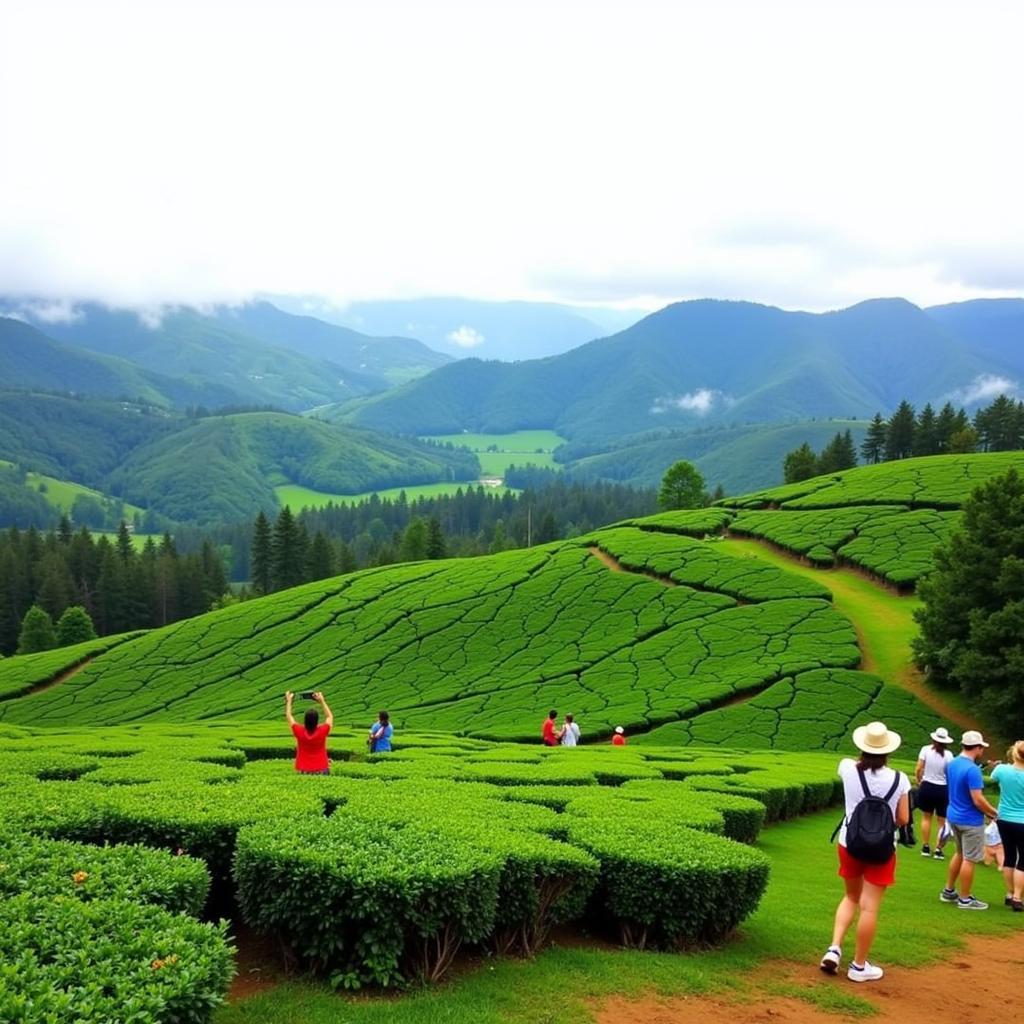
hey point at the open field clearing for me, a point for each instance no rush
(520, 448)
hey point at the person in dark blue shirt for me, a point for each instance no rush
(966, 817)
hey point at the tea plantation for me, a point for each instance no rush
(468, 844)
(146, 785)
(886, 518)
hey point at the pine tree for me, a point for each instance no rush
(926, 432)
(261, 555)
(972, 612)
(112, 598)
(286, 565)
(436, 547)
(56, 587)
(75, 627)
(36, 632)
(320, 559)
(414, 542)
(125, 548)
(899, 441)
(64, 531)
(945, 424)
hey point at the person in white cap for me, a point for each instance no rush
(933, 793)
(966, 815)
(619, 737)
(877, 801)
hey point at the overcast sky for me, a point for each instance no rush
(803, 154)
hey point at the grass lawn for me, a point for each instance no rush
(305, 497)
(793, 923)
(520, 448)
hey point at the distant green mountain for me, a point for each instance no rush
(994, 328)
(76, 439)
(391, 359)
(32, 360)
(740, 459)
(226, 467)
(693, 364)
(463, 327)
(251, 354)
(207, 469)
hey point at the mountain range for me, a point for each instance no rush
(248, 355)
(707, 362)
(463, 327)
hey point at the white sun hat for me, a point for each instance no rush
(619, 729)
(973, 738)
(941, 736)
(875, 738)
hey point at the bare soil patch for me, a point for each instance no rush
(983, 980)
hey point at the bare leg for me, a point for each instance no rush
(954, 870)
(870, 903)
(966, 878)
(847, 909)
(926, 827)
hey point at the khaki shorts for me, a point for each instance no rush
(970, 841)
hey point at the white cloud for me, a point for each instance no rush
(701, 401)
(984, 388)
(177, 198)
(465, 337)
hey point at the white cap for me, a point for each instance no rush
(619, 729)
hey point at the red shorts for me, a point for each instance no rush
(876, 874)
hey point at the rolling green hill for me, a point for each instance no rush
(690, 364)
(740, 458)
(646, 625)
(253, 354)
(226, 467)
(32, 360)
(196, 470)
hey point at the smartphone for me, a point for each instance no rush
(306, 694)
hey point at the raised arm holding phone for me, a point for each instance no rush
(311, 736)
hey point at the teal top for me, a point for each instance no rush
(1011, 792)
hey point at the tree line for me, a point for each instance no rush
(314, 544)
(118, 588)
(998, 427)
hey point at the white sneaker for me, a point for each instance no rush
(869, 972)
(830, 961)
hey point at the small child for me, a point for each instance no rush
(993, 846)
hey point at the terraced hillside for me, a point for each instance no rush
(886, 518)
(645, 625)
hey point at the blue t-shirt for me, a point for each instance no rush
(963, 775)
(383, 740)
(1011, 792)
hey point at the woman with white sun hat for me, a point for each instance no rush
(869, 868)
(933, 791)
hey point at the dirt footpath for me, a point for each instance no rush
(985, 980)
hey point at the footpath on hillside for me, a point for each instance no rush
(883, 619)
(884, 622)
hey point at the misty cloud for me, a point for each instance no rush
(46, 311)
(984, 388)
(701, 402)
(465, 337)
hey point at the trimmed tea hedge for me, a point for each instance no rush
(66, 961)
(383, 870)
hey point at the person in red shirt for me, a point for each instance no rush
(549, 735)
(619, 739)
(310, 737)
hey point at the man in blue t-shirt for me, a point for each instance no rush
(966, 817)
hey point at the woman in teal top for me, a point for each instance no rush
(1010, 778)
